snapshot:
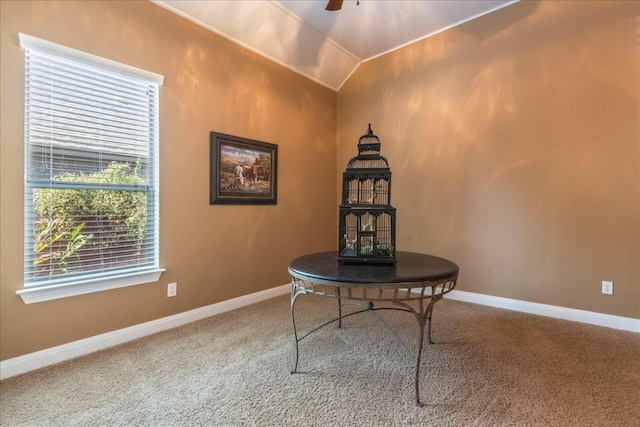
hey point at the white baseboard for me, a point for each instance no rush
(40, 359)
(582, 316)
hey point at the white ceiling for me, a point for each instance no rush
(327, 46)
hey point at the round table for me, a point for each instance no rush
(414, 284)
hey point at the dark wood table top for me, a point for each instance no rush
(409, 267)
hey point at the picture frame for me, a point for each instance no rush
(242, 171)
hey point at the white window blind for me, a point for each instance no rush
(91, 171)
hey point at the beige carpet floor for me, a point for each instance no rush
(488, 367)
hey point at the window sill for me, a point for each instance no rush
(87, 285)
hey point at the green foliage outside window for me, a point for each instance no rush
(74, 227)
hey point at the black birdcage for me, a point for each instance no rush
(367, 231)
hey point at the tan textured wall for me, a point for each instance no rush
(514, 144)
(214, 252)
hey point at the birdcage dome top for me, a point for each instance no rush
(368, 153)
(369, 144)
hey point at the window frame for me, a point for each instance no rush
(83, 283)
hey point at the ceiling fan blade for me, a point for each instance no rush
(334, 5)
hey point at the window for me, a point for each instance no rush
(91, 173)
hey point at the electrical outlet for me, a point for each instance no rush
(607, 287)
(172, 289)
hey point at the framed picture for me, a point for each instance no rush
(242, 171)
